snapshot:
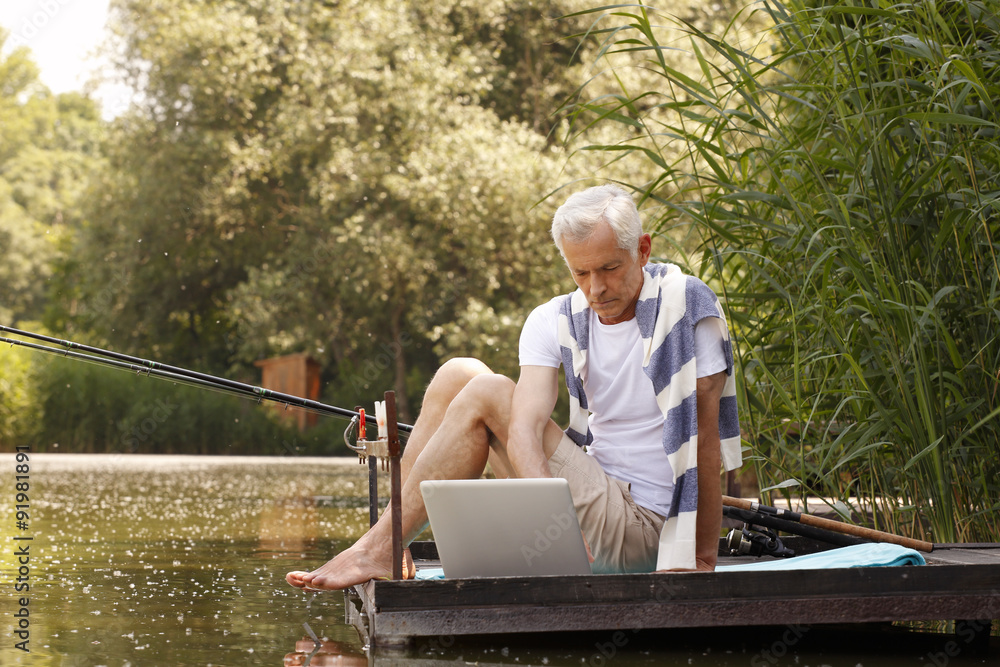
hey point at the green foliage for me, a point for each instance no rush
(843, 180)
(19, 409)
(47, 150)
(362, 181)
(339, 179)
(91, 408)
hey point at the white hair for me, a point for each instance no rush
(583, 212)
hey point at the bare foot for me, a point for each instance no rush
(348, 568)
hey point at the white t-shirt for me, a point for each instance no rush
(625, 420)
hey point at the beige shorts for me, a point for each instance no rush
(623, 537)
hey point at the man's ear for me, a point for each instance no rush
(645, 249)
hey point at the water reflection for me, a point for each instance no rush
(311, 652)
(288, 527)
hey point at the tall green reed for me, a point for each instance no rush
(842, 175)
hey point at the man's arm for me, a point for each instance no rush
(709, 523)
(535, 397)
(531, 409)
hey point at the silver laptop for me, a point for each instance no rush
(505, 527)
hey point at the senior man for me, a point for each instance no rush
(649, 367)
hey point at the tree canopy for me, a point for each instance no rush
(48, 147)
(365, 182)
(354, 180)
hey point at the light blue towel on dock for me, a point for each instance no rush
(857, 555)
(430, 573)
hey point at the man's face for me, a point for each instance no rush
(607, 274)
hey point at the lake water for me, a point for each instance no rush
(177, 560)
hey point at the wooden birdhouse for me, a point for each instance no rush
(294, 374)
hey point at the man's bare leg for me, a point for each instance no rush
(446, 384)
(458, 449)
(449, 380)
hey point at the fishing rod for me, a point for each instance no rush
(764, 512)
(791, 527)
(147, 367)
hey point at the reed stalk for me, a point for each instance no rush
(842, 174)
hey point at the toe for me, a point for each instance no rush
(296, 579)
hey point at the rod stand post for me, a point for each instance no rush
(395, 484)
(372, 485)
(372, 491)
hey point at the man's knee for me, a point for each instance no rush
(459, 371)
(488, 394)
(450, 380)
(491, 384)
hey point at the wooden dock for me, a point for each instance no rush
(957, 584)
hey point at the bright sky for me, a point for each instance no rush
(62, 36)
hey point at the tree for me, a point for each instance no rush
(48, 148)
(355, 180)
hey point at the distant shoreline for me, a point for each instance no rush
(54, 461)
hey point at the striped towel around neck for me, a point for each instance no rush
(670, 305)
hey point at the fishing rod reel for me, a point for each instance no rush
(756, 542)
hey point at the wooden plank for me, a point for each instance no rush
(594, 589)
(400, 626)
(964, 556)
(404, 610)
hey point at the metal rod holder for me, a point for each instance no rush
(386, 450)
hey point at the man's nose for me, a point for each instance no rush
(597, 286)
